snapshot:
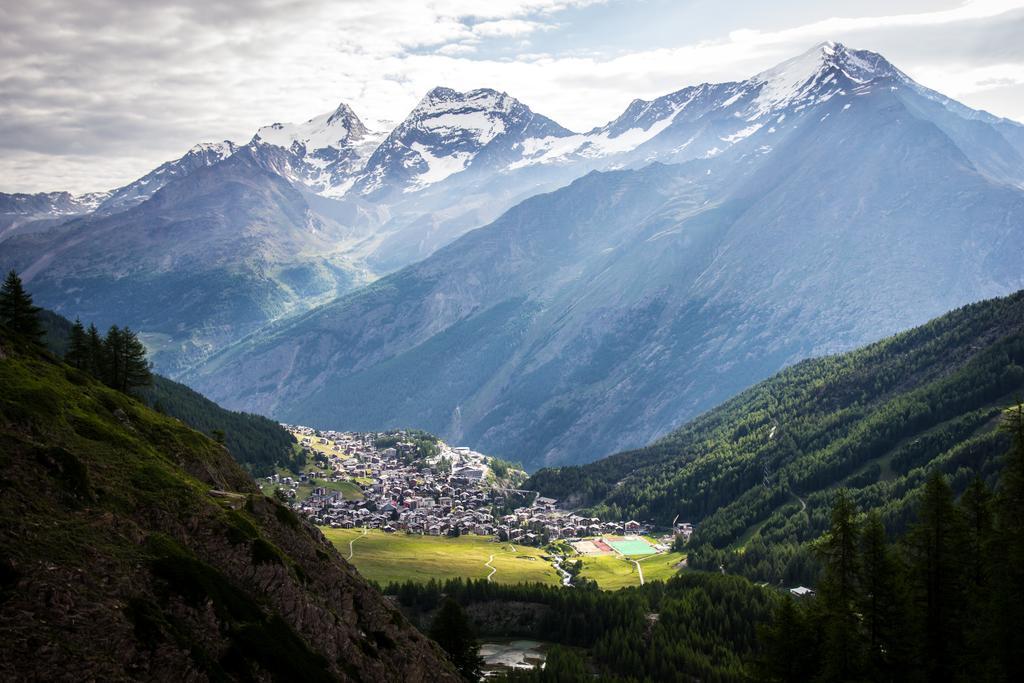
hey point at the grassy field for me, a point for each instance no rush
(401, 557)
(613, 572)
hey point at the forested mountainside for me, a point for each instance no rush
(133, 547)
(259, 444)
(759, 471)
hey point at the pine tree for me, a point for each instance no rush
(17, 313)
(136, 368)
(452, 631)
(789, 646)
(113, 361)
(838, 594)
(976, 507)
(95, 360)
(77, 355)
(1007, 557)
(882, 606)
(936, 544)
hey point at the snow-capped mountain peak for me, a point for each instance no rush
(820, 72)
(481, 113)
(449, 131)
(324, 153)
(335, 129)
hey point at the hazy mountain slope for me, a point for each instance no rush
(25, 213)
(874, 420)
(207, 259)
(134, 193)
(604, 314)
(135, 548)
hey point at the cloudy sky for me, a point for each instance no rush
(94, 93)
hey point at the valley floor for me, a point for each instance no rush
(385, 557)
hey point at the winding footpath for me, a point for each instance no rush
(639, 570)
(491, 566)
(351, 550)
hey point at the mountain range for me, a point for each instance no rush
(624, 280)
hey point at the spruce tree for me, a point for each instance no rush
(1007, 557)
(77, 355)
(136, 367)
(95, 359)
(17, 313)
(838, 596)
(789, 645)
(452, 631)
(936, 544)
(976, 508)
(113, 360)
(882, 606)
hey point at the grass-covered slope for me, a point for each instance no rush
(762, 466)
(132, 547)
(258, 443)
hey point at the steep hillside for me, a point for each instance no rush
(259, 444)
(135, 548)
(600, 316)
(759, 469)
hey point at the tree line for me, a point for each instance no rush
(695, 626)
(118, 359)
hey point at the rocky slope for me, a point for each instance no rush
(134, 548)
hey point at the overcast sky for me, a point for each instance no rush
(94, 93)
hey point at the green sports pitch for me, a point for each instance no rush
(631, 546)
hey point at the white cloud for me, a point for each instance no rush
(102, 91)
(509, 27)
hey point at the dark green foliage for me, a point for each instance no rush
(935, 546)
(941, 605)
(759, 470)
(706, 625)
(77, 355)
(259, 443)
(124, 365)
(451, 630)
(17, 313)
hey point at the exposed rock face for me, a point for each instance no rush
(134, 548)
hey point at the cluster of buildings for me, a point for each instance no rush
(450, 492)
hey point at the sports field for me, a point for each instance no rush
(631, 546)
(385, 557)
